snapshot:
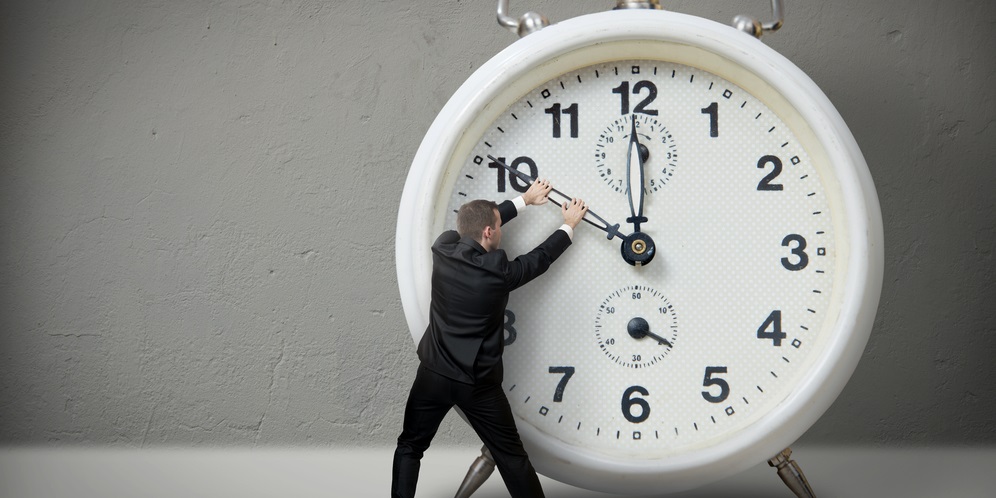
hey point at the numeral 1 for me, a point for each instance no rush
(713, 112)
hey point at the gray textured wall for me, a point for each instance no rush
(198, 207)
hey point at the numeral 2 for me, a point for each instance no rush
(765, 183)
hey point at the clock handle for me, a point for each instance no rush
(756, 28)
(530, 22)
(478, 472)
(791, 474)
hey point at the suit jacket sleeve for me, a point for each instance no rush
(526, 267)
(507, 211)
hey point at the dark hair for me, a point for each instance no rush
(474, 216)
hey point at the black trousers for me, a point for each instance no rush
(487, 410)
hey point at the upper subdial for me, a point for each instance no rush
(657, 149)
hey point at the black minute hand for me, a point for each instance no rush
(608, 228)
(634, 179)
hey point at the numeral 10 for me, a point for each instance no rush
(517, 184)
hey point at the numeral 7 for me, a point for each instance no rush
(558, 395)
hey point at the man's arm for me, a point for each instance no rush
(526, 267)
(508, 209)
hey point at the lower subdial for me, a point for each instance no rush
(657, 148)
(636, 326)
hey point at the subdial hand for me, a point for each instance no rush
(611, 229)
(639, 328)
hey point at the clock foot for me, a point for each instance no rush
(791, 474)
(478, 472)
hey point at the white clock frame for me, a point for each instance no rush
(731, 54)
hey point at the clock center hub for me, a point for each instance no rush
(638, 249)
(638, 328)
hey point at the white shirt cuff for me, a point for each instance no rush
(570, 231)
(519, 203)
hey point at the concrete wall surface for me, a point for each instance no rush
(199, 201)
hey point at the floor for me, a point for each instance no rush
(365, 472)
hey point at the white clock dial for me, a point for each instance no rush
(762, 233)
(744, 239)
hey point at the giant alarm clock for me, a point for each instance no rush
(725, 297)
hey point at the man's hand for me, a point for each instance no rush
(537, 193)
(573, 212)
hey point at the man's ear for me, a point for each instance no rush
(487, 232)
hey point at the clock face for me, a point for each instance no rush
(706, 339)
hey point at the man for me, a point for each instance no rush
(461, 350)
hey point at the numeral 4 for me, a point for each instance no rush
(773, 322)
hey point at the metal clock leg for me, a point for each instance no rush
(791, 474)
(478, 472)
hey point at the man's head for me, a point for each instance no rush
(480, 220)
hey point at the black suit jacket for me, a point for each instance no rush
(465, 337)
